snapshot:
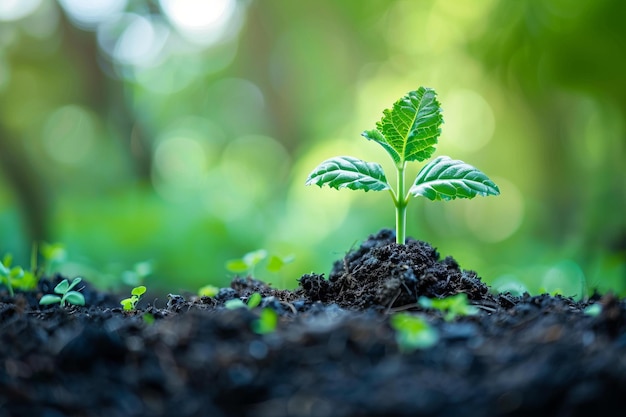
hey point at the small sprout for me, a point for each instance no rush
(247, 264)
(66, 296)
(9, 275)
(138, 274)
(413, 332)
(408, 132)
(266, 323)
(452, 307)
(131, 302)
(593, 310)
(234, 304)
(276, 263)
(251, 260)
(208, 291)
(253, 302)
(52, 253)
(16, 277)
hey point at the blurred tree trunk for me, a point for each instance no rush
(26, 185)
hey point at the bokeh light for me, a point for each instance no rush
(89, 14)
(17, 9)
(202, 22)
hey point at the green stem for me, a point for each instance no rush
(401, 203)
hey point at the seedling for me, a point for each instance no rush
(250, 260)
(53, 254)
(268, 319)
(452, 307)
(138, 274)
(247, 263)
(8, 274)
(408, 132)
(253, 302)
(593, 310)
(208, 291)
(266, 323)
(65, 294)
(131, 302)
(413, 332)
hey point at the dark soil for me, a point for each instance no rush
(333, 353)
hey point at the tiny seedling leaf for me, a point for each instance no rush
(127, 304)
(348, 172)
(62, 287)
(410, 129)
(446, 179)
(234, 304)
(49, 299)
(266, 323)
(413, 332)
(593, 310)
(74, 297)
(236, 265)
(138, 291)
(254, 300)
(253, 258)
(208, 291)
(452, 306)
(276, 263)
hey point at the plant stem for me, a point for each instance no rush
(401, 203)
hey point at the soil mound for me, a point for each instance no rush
(381, 274)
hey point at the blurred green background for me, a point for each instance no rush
(180, 132)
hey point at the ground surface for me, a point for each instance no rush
(333, 353)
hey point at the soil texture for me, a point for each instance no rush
(333, 353)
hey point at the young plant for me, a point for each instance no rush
(413, 332)
(247, 263)
(266, 323)
(53, 254)
(135, 294)
(253, 302)
(208, 291)
(250, 260)
(8, 275)
(65, 294)
(452, 307)
(138, 274)
(408, 132)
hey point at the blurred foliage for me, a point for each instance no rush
(180, 132)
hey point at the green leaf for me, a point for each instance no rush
(128, 304)
(74, 283)
(410, 129)
(138, 291)
(452, 306)
(593, 310)
(208, 291)
(53, 252)
(254, 300)
(349, 172)
(253, 258)
(413, 332)
(49, 299)
(276, 263)
(236, 265)
(447, 179)
(62, 287)
(74, 297)
(235, 303)
(266, 323)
